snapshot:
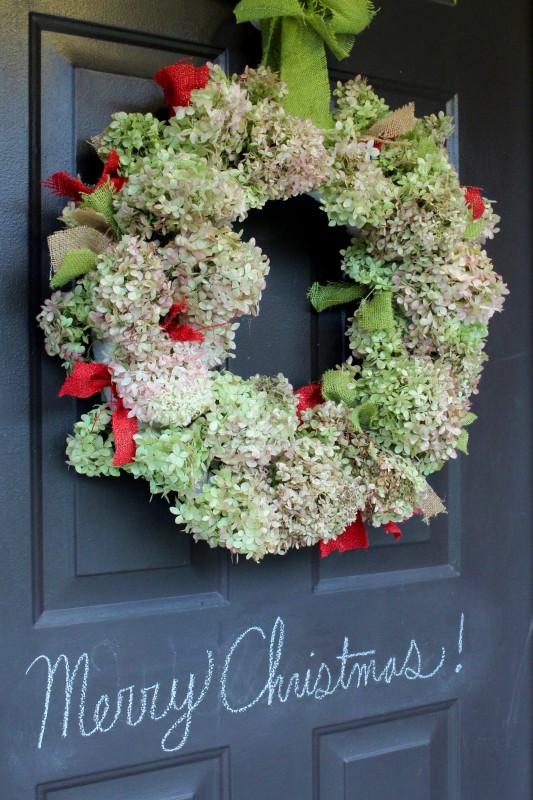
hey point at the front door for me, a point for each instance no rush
(411, 659)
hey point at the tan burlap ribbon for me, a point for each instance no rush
(394, 124)
(430, 503)
(91, 218)
(81, 237)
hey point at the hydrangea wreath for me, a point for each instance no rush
(161, 277)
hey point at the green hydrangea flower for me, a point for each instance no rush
(133, 136)
(419, 413)
(235, 508)
(175, 192)
(358, 108)
(64, 320)
(91, 448)
(253, 421)
(171, 459)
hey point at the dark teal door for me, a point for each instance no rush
(136, 665)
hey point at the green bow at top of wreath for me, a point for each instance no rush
(295, 34)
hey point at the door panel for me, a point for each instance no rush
(98, 549)
(416, 754)
(402, 671)
(200, 778)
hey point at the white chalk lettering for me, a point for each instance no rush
(69, 683)
(358, 669)
(125, 697)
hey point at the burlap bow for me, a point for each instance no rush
(295, 34)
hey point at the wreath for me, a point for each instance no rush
(161, 276)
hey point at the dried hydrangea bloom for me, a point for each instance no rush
(357, 193)
(68, 214)
(261, 83)
(394, 485)
(358, 107)
(221, 278)
(377, 348)
(437, 126)
(64, 320)
(252, 421)
(215, 123)
(316, 494)
(132, 136)
(489, 223)
(368, 270)
(420, 414)
(177, 191)
(235, 509)
(459, 347)
(328, 421)
(462, 284)
(390, 485)
(128, 291)
(285, 156)
(411, 233)
(171, 459)
(429, 215)
(91, 448)
(170, 386)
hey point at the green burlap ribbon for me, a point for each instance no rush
(377, 314)
(295, 34)
(101, 201)
(473, 230)
(334, 294)
(362, 416)
(75, 263)
(462, 442)
(425, 147)
(340, 387)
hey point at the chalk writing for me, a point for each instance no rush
(459, 667)
(123, 702)
(67, 682)
(353, 669)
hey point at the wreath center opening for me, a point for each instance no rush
(287, 335)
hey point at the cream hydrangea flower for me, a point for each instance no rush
(166, 388)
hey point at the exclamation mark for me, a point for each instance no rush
(459, 667)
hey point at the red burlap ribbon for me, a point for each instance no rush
(178, 80)
(474, 201)
(124, 429)
(179, 331)
(391, 527)
(308, 397)
(353, 537)
(88, 379)
(64, 185)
